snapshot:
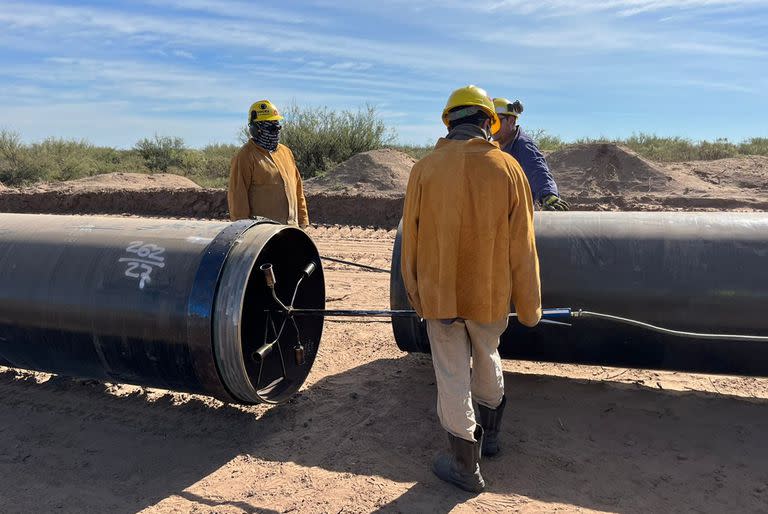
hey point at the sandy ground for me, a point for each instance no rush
(360, 435)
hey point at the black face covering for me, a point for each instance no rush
(266, 134)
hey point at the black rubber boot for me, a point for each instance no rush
(462, 466)
(490, 419)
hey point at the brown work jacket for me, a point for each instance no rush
(263, 183)
(468, 242)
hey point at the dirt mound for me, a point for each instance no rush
(2, 187)
(602, 176)
(162, 194)
(748, 173)
(607, 169)
(122, 182)
(375, 173)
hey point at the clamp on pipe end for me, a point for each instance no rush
(308, 269)
(261, 352)
(269, 275)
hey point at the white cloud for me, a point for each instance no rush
(618, 7)
(239, 34)
(594, 36)
(238, 10)
(183, 54)
(184, 62)
(157, 84)
(351, 65)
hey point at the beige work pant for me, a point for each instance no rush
(456, 347)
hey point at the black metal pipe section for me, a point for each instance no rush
(173, 304)
(696, 272)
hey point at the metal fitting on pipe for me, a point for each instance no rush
(269, 275)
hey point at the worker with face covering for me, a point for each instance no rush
(264, 180)
(513, 140)
(468, 253)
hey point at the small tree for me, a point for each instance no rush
(161, 152)
(16, 164)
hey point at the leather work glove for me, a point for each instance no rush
(554, 203)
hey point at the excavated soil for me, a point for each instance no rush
(161, 194)
(611, 177)
(368, 189)
(120, 182)
(360, 435)
(606, 169)
(737, 173)
(378, 173)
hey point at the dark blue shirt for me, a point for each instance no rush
(534, 165)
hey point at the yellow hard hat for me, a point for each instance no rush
(469, 96)
(504, 107)
(263, 110)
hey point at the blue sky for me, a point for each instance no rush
(114, 72)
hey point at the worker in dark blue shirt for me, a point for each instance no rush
(519, 145)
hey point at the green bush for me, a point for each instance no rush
(59, 159)
(321, 138)
(754, 146)
(718, 149)
(218, 160)
(162, 152)
(209, 167)
(661, 148)
(16, 161)
(415, 151)
(676, 149)
(191, 162)
(546, 142)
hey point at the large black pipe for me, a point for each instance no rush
(701, 272)
(173, 304)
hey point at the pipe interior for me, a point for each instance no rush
(289, 251)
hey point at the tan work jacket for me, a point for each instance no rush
(263, 183)
(468, 243)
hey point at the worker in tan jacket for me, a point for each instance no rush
(469, 253)
(264, 180)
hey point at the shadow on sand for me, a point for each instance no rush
(603, 446)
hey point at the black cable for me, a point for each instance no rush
(350, 263)
(667, 331)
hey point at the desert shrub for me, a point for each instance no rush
(546, 142)
(16, 163)
(218, 158)
(60, 159)
(209, 166)
(754, 146)
(415, 151)
(661, 148)
(191, 162)
(320, 138)
(718, 149)
(161, 152)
